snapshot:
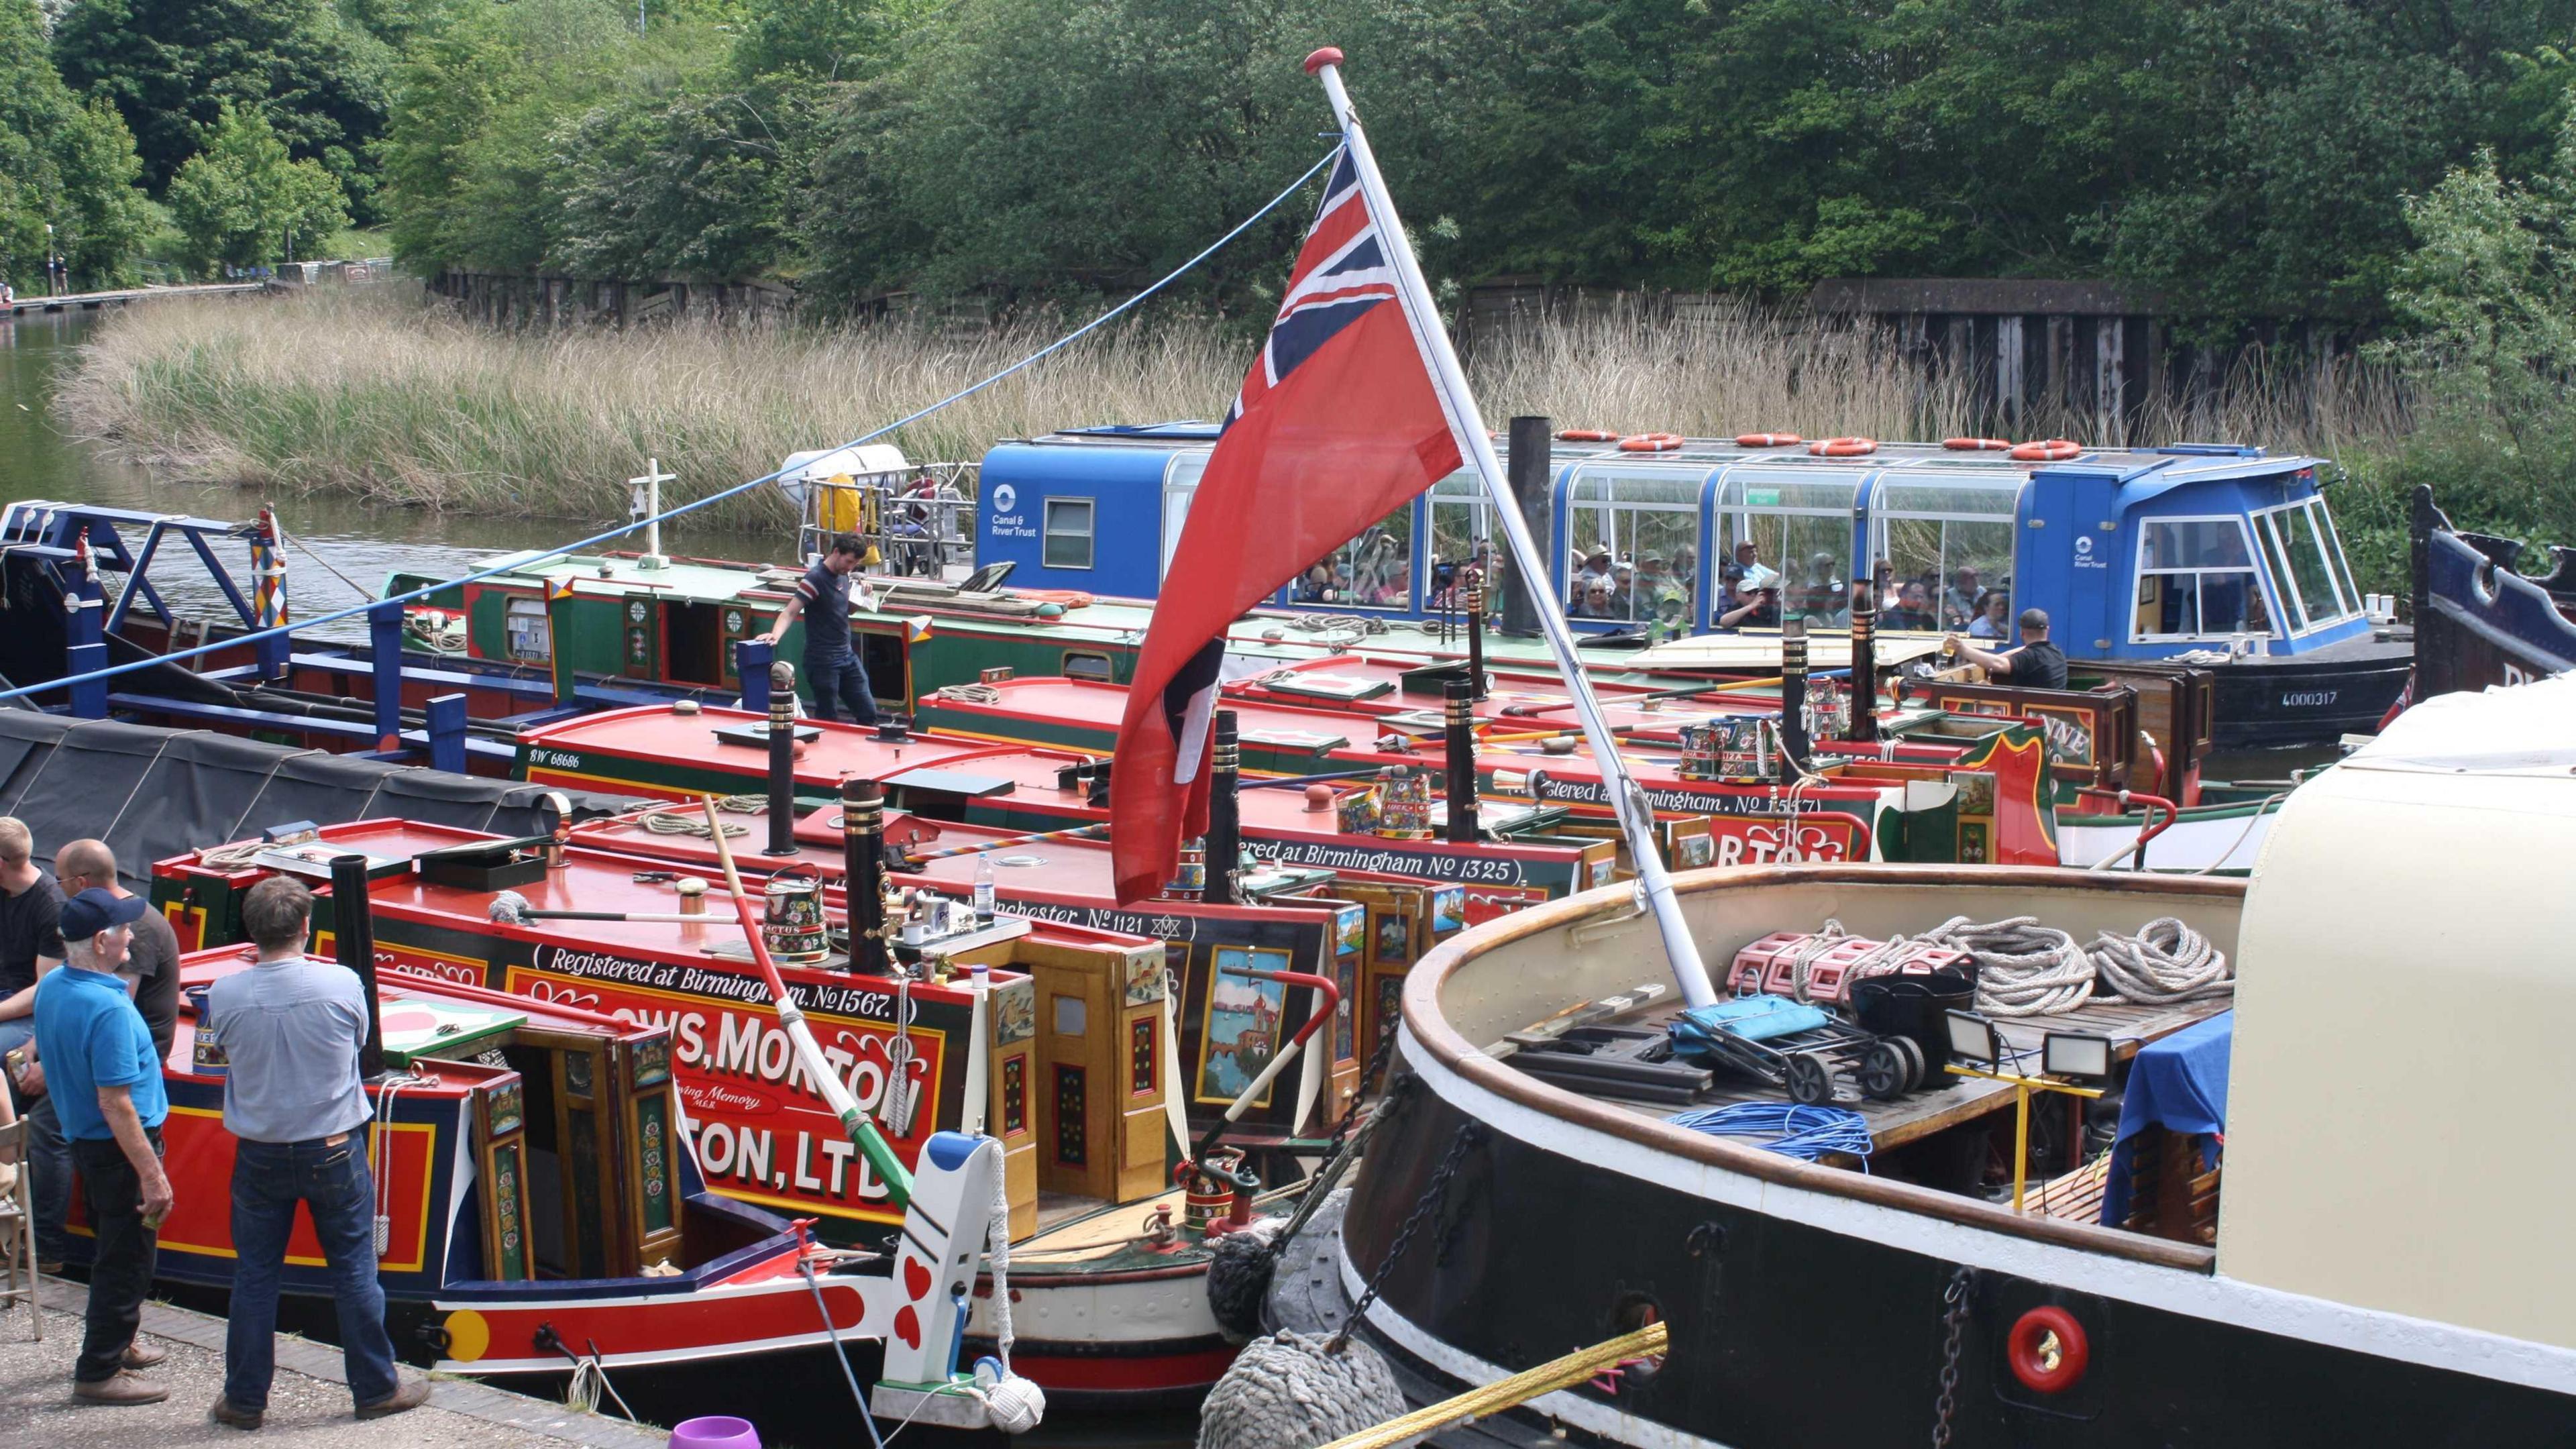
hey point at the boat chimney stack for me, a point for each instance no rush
(1533, 445)
(1225, 814)
(1460, 730)
(353, 941)
(1793, 697)
(782, 759)
(1864, 666)
(863, 874)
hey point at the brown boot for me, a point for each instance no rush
(124, 1388)
(224, 1412)
(141, 1355)
(409, 1393)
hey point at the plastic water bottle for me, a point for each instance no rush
(983, 888)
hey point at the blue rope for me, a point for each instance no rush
(523, 563)
(1805, 1133)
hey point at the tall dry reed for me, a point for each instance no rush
(371, 393)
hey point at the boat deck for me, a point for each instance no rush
(1920, 1114)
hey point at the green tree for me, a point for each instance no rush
(245, 199)
(172, 66)
(61, 164)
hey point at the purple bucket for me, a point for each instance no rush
(715, 1431)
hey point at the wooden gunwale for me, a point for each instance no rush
(1431, 1032)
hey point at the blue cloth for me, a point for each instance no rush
(291, 1031)
(2179, 1084)
(90, 1036)
(332, 1181)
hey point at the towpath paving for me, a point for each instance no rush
(308, 1406)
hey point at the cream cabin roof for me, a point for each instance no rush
(2403, 1090)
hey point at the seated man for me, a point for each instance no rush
(2037, 664)
(1755, 604)
(1911, 610)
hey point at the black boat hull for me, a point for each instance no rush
(1788, 1332)
(2283, 701)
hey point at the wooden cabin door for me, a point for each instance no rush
(1081, 1061)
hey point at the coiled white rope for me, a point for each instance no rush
(2164, 963)
(681, 822)
(2023, 967)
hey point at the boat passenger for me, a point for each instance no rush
(105, 1083)
(1593, 601)
(2037, 664)
(1965, 599)
(1994, 608)
(1748, 556)
(30, 947)
(1913, 609)
(1317, 586)
(833, 670)
(291, 1029)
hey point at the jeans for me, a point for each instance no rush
(840, 686)
(122, 1274)
(330, 1179)
(49, 1158)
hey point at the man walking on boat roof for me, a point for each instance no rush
(291, 1029)
(2037, 664)
(107, 1091)
(833, 671)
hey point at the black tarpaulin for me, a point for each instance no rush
(89, 780)
(26, 739)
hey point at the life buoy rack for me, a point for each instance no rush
(2028, 1347)
(1842, 447)
(1650, 443)
(2053, 450)
(1586, 435)
(1767, 440)
(1976, 445)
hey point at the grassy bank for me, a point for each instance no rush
(367, 392)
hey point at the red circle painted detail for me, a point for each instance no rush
(2022, 1350)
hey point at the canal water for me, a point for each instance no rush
(360, 540)
(809, 1406)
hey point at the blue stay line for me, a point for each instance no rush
(523, 562)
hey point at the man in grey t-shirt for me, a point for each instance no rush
(291, 1028)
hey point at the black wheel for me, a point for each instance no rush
(1810, 1081)
(1916, 1069)
(1884, 1070)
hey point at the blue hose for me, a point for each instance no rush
(1805, 1133)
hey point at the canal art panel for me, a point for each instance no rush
(1243, 1018)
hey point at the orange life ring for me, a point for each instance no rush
(2054, 450)
(1767, 440)
(1070, 598)
(1586, 435)
(1975, 445)
(1842, 447)
(1650, 443)
(2022, 1350)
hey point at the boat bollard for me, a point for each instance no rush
(1864, 666)
(782, 759)
(863, 874)
(1793, 698)
(1460, 727)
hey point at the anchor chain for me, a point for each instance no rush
(1954, 1315)
(1468, 1135)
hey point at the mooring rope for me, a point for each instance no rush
(2164, 963)
(2023, 967)
(1558, 1373)
(679, 822)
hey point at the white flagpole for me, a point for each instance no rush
(1636, 816)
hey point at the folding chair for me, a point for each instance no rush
(18, 1229)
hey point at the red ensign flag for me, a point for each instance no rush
(1338, 424)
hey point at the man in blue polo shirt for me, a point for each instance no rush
(833, 674)
(105, 1078)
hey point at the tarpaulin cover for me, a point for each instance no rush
(152, 793)
(2179, 1084)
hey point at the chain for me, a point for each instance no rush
(1368, 1078)
(1954, 1315)
(1469, 1133)
(1328, 1174)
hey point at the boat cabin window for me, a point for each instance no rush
(1180, 485)
(1457, 509)
(2315, 587)
(1372, 571)
(1801, 531)
(2197, 580)
(1068, 533)
(1946, 542)
(1646, 520)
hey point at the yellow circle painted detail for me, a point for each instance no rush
(468, 1336)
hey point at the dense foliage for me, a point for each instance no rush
(243, 199)
(62, 163)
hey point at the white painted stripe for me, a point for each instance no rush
(2213, 1297)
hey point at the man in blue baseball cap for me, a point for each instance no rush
(105, 1078)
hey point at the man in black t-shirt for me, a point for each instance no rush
(2037, 664)
(31, 945)
(833, 674)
